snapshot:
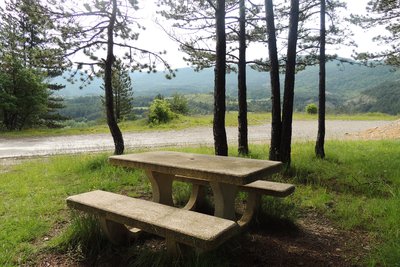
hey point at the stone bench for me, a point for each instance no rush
(261, 187)
(177, 226)
(255, 190)
(268, 188)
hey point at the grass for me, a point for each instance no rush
(357, 187)
(183, 122)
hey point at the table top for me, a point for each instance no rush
(232, 170)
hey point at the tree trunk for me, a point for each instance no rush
(287, 110)
(220, 141)
(276, 123)
(111, 121)
(319, 146)
(243, 145)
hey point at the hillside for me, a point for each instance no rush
(383, 98)
(342, 80)
(350, 87)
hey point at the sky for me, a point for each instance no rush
(154, 37)
(156, 40)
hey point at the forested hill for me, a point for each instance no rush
(344, 81)
(382, 98)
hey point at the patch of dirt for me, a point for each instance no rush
(390, 131)
(315, 242)
(59, 260)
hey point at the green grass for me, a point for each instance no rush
(357, 187)
(183, 122)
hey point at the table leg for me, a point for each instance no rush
(252, 206)
(224, 200)
(161, 184)
(197, 197)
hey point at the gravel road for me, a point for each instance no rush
(39, 146)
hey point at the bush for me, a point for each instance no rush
(160, 112)
(179, 104)
(311, 108)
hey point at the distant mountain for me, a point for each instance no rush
(344, 81)
(187, 81)
(383, 98)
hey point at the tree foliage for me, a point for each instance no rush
(99, 25)
(23, 95)
(311, 109)
(24, 33)
(382, 13)
(179, 104)
(122, 91)
(337, 32)
(160, 112)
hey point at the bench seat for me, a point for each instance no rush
(176, 225)
(261, 187)
(269, 188)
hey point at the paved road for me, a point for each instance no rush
(38, 146)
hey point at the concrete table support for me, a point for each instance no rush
(161, 184)
(197, 197)
(224, 200)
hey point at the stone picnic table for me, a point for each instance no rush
(224, 174)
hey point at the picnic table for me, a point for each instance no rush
(224, 175)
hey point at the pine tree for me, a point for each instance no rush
(319, 145)
(382, 13)
(95, 25)
(32, 26)
(122, 91)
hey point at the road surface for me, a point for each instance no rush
(40, 146)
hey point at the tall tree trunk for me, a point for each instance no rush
(276, 123)
(243, 145)
(287, 110)
(220, 140)
(319, 146)
(111, 121)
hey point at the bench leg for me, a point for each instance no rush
(224, 200)
(117, 233)
(252, 207)
(197, 197)
(161, 184)
(173, 247)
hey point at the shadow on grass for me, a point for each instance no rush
(85, 244)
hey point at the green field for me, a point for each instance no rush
(357, 187)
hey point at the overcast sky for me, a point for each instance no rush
(151, 38)
(155, 39)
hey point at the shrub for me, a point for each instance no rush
(311, 108)
(179, 104)
(160, 112)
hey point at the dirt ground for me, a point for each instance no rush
(314, 241)
(390, 131)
